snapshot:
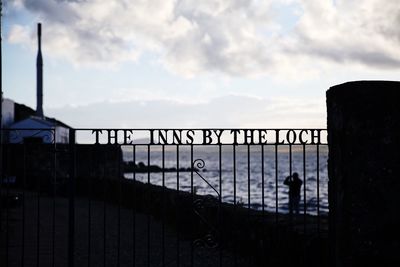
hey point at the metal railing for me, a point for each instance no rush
(164, 197)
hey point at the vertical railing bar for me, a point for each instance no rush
(163, 207)
(291, 202)
(23, 206)
(318, 208)
(54, 201)
(219, 206)
(7, 203)
(7, 210)
(90, 206)
(248, 179)
(148, 211)
(262, 183)
(192, 201)
(263, 204)
(234, 208)
(304, 205)
(120, 177)
(177, 208)
(134, 206)
(318, 211)
(277, 235)
(304, 190)
(71, 206)
(38, 222)
(276, 185)
(104, 209)
(248, 197)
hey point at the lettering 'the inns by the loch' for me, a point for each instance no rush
(208, 136)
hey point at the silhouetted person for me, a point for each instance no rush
(294, 184)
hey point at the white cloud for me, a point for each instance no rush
(191, 36)
(234, 37)
(19, 34)
(359, 31)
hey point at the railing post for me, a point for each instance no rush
(71, 197)
(364, 164)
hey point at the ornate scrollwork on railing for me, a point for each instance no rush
(201, 203)
(208, 241)
(200, 164)
(199, 208)
(17, 136)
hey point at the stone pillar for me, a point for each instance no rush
(364, 176)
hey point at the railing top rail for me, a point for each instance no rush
(201, 128)
(192, 136)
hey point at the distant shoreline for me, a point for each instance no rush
(130, 166)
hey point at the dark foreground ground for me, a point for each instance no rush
(108, 234)
(52, 245)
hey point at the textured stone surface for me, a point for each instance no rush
(364, 162)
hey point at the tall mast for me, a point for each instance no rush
(39, 74)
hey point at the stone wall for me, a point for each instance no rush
(364, 163)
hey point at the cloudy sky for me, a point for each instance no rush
(191, 63)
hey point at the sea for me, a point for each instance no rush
(245, 165)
